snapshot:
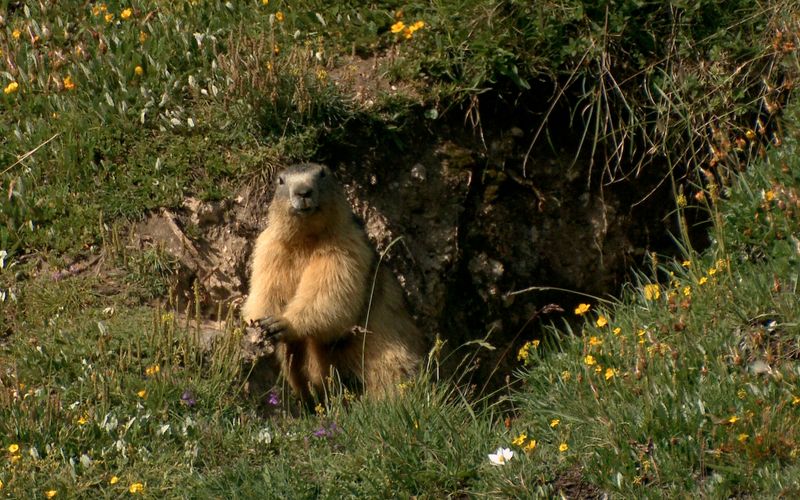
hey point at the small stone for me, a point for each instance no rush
(418, 172)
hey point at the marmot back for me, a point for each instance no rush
(312, 275)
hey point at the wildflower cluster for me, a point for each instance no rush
(524, 352)
(682, 290)
(525, 443)
(407, 31)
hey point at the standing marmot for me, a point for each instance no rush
(312, 283)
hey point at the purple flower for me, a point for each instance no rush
(329, 432)
(273, 399)
(188, 399)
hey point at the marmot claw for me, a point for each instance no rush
(275, 327)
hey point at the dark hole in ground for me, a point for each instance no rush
(476, 226)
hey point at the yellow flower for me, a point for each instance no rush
(142, 36)
(531, 445)
(16, 34)
(652, 292)
(151, 371)
(279, 16)
(702, 281)
(264, 2)
(594, 341)
(142, 394)
(519, 440)
(68, 83)
(113, 480)
(136, 488)
(589, 360)
(686, 263)
(417, 25)
(795, 400)
(50, 493)
(554, 423)
(712, 271)
(82, 420)
(13, 448)
(750, 134)
(125, 14)
(563, 447)
(138, 70)
(524, 351)
(319, 409)
(742, 437)
(601, 321)
(109, 17)
(769, 195)
(398, 27)
(733, 419)
(610, 373)
(582, 309)
(687, 291)
(1, 484)
(11, 88)
(681, 200)
(617, 330)
(566, 375)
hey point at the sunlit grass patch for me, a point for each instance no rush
(689, 384)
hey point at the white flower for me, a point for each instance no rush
(501, 456)
(264, 436)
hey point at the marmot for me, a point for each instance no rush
(311, 287)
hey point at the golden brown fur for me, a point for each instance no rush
(312, 274)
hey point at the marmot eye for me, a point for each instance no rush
(280, 181)
(322, 173)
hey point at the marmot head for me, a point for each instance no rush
(307, 195)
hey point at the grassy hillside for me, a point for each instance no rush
(110, 109)
(687, 385)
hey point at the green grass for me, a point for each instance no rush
(194, 98)
(694, 391)
(691, 391)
